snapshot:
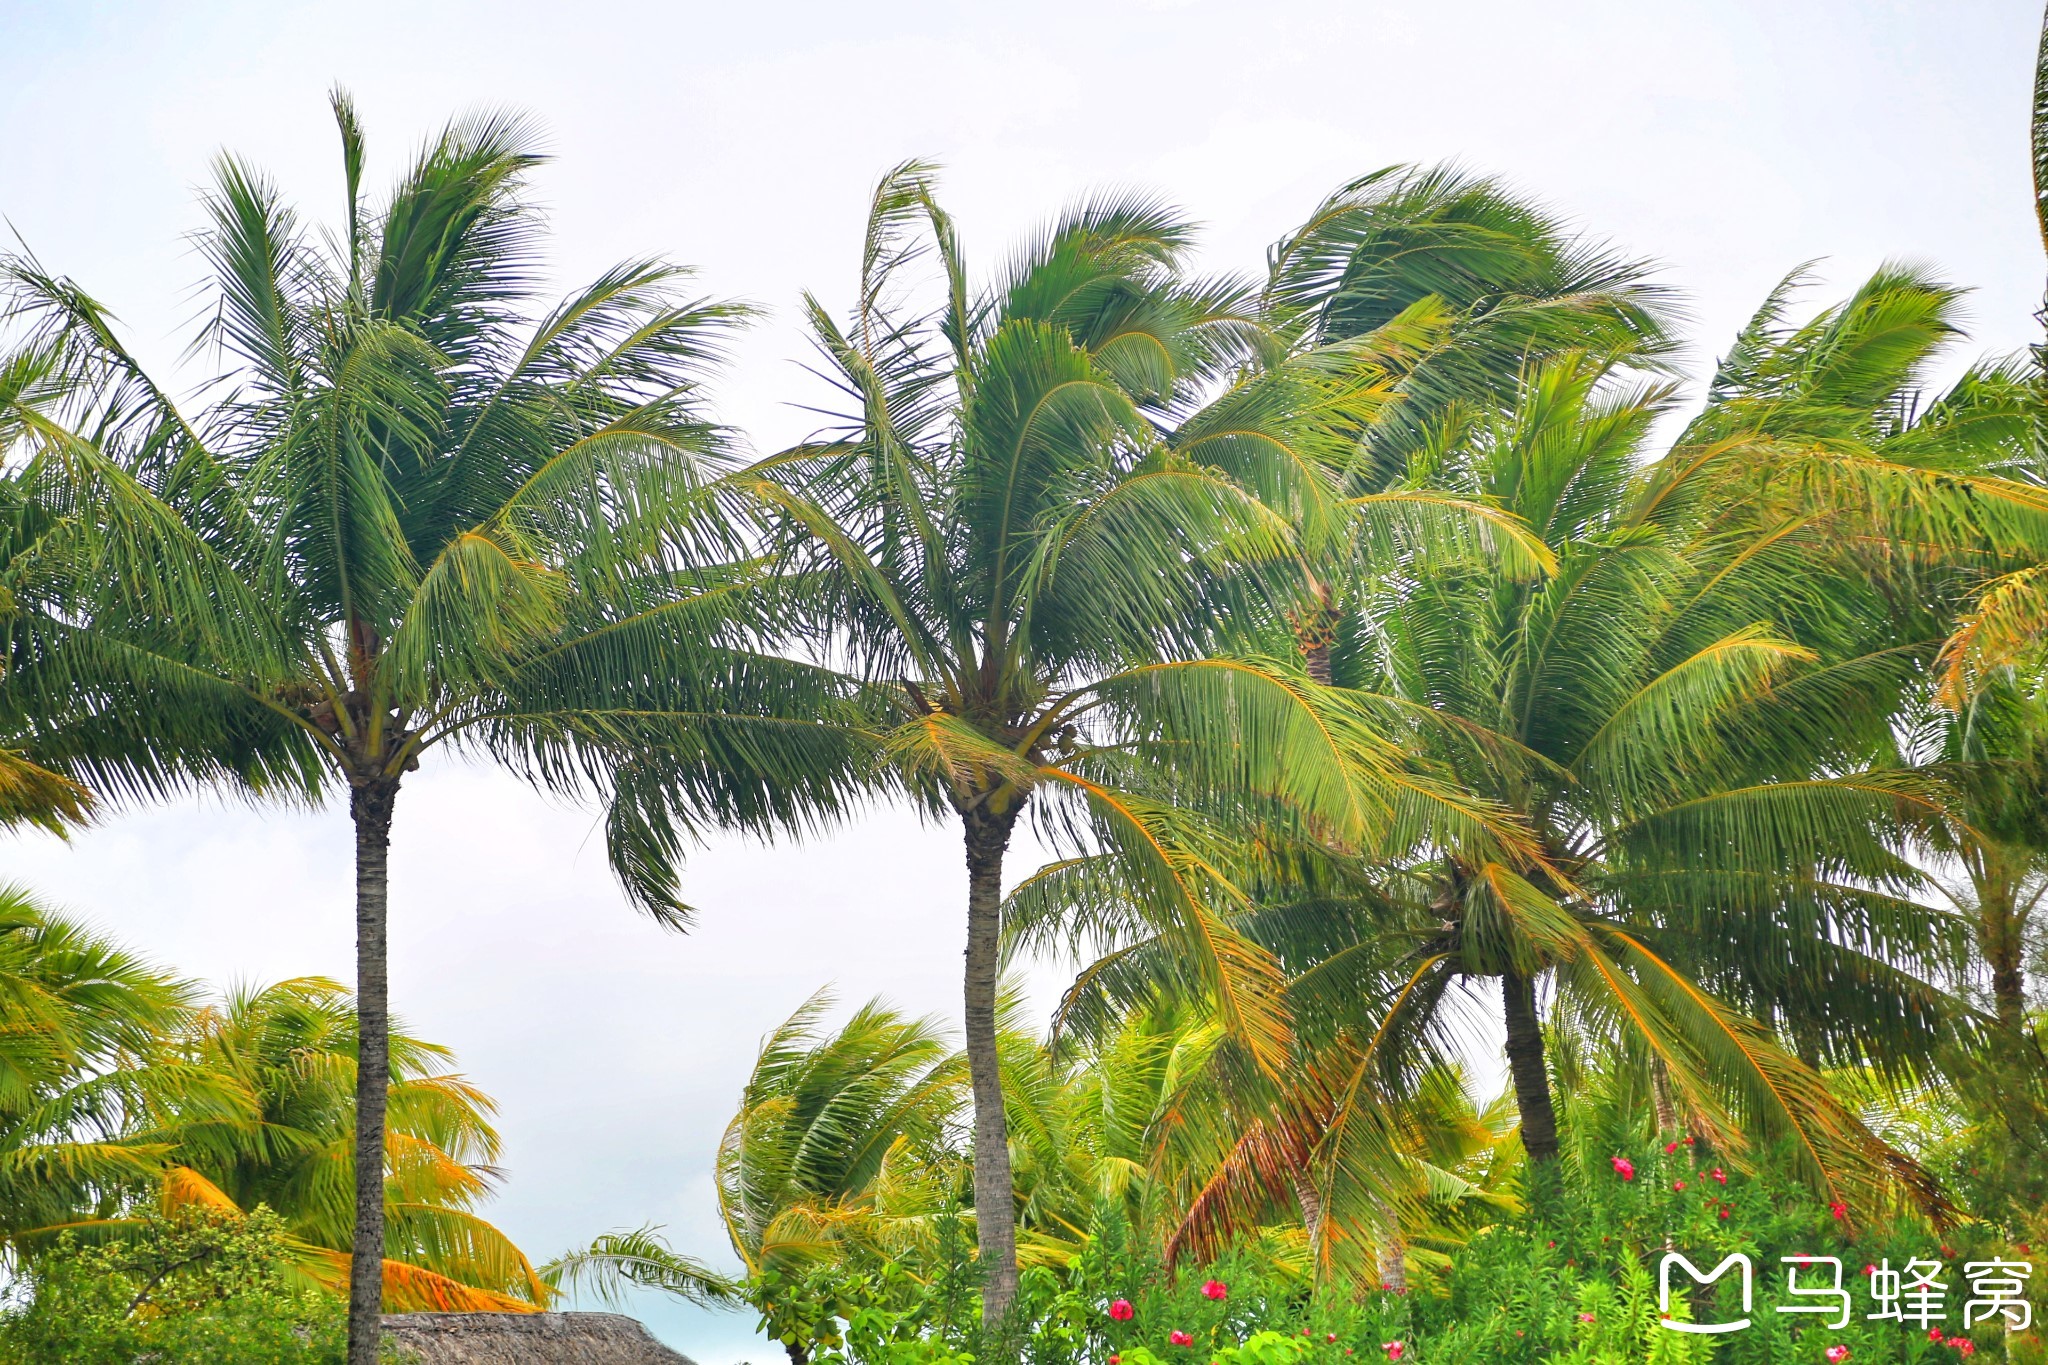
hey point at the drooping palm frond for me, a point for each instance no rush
(637, 1259)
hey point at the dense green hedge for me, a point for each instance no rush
(1573, 1284)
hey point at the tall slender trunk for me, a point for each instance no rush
(995, 1206)
(370, 806)
(1525, 1065)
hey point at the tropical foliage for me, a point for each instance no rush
(189, 1288)
(1388, 648)
(136, 1106)
(421, 511)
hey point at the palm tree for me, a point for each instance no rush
(1990, 749)
(122, 1088)
(1849, 378)
(1703, 824)
(82, 1068)
(841, 1157)
(417, 514)
(48, 545)
(1455, 284)
(827, 1129)
(1031, 537)
(1511, 283)
(291, 1049)
(1988, 731)
(2008, 620)
(1767, 599)
(1692, 715)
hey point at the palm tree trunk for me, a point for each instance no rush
(2009, 987)
(1660, 1096)
(1315, 632)
(1317, 657)
(995, 1208)
(1525, 1065)
(2001, 938)
(370, 805)
(1310, 1202)
(1392, 1252)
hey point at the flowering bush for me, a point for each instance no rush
(1573, 1283)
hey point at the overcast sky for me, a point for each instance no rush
(1730, 141)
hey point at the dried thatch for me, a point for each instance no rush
(525, 1339)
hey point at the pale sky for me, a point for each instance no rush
(1729, 140)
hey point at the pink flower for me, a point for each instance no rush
(1215, 1289)
(1839, 1209)
(1121, 1310)
(1836, 1354)
(1870, 1269)
(1585, 1317)
(1180, 1338)
(1934, 1335)
(1724, 1212)
(1688, 1142)
(1394, 1349)
(1719, 1175)
(1963, 1345)
(1624, 1168)
(1332, 1338)
(1678, 1184)
(1670, 1147)
(1116, 1360)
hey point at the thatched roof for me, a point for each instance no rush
(526, 1339)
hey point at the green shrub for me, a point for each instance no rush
(195, 1290)
(1576, 1285)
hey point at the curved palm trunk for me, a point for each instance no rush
(995, 1209)
(370, 806)
(1525, 1065)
